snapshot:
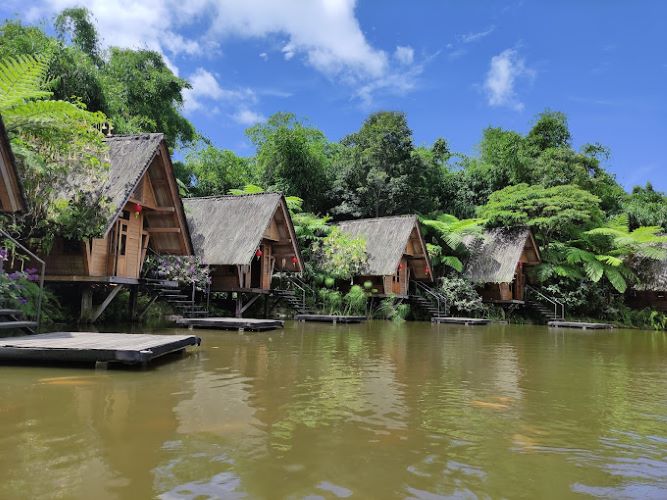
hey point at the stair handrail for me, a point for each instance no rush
(438, 297)
(552, 300)
(42, 272)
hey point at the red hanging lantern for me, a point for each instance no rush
(258, 253)
(427, 270)
(295, 261)
(400, 267)
(137, 209)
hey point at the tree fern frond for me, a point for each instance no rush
(22, 79)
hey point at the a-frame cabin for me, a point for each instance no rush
(11, 192)
(147, 216)
(396, 253)
(498, 265)
(244, 240)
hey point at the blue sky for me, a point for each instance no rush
(454, 67)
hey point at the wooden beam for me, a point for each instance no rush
(161, 210)
(164, 230)
(102, 307)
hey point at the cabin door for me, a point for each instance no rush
(129, 250)
(400, 279)
(267, 266)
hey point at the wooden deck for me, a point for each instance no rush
(89, 347)
(581, 325)
(460, 321)
(329, 318)
(241, 324)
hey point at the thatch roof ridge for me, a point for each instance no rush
(227, 229)
(244, 195)
(496, 257)
(386, 239)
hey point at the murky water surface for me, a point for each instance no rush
(372, 411)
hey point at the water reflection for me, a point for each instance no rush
(369, 411)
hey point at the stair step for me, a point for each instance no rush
(6, 325)
(10, 312)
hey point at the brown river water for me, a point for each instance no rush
(379, 410)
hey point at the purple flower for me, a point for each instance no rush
(23, 301)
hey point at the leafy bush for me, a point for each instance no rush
(356, 300)
(184, 269)
(339, 255)
(461, 295)
(388, 309)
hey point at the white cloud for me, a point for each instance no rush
(404, 55)
(247, 117)
(264, 56)
(207, 93)
(323, 34)
(504, 71)
(476, 36)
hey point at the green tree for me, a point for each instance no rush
(211, 171)
(381, 173)
(293, 158)
(59, 146)
(450, 237)
(646, 207)
(555, 213)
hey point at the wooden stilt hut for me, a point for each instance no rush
(396, 253)
(11, 193)
(498, 264)
(147, 215)
(244, 240)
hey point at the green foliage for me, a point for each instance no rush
(135, 88)
(553, 212)
(211, 171)
(462, 298)
(646, 207)
(355, 301)
(391, 310)
(59, 145)
(293, 158)
(382, 174)
(338, 255)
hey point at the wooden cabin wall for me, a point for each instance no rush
(643, 299)
(224, 278)
(66, 258)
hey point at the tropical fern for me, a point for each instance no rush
(22, 79)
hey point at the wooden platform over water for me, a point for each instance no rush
(460, 321)
(89, 347)
(581, 325)
(329, 318)
(251, 324)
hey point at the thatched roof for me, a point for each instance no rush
(652, 275)
(226, 230)
(495, 257)
(12, 198)
(129, 157)
(386, 239)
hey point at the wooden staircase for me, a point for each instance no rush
(183, 301)
(295, 302)
(12, 319)
(547, 308)
(428, 300)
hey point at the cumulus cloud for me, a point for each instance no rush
(323, 34)
(247, 117)
(207, 93)
(504, 71)
(404, 55)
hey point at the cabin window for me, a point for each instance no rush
(123, 243)
(126, 216)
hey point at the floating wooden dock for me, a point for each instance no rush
(241, 324)
(90, 347)
(580, 325)
(329, 318)
(460, 321)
